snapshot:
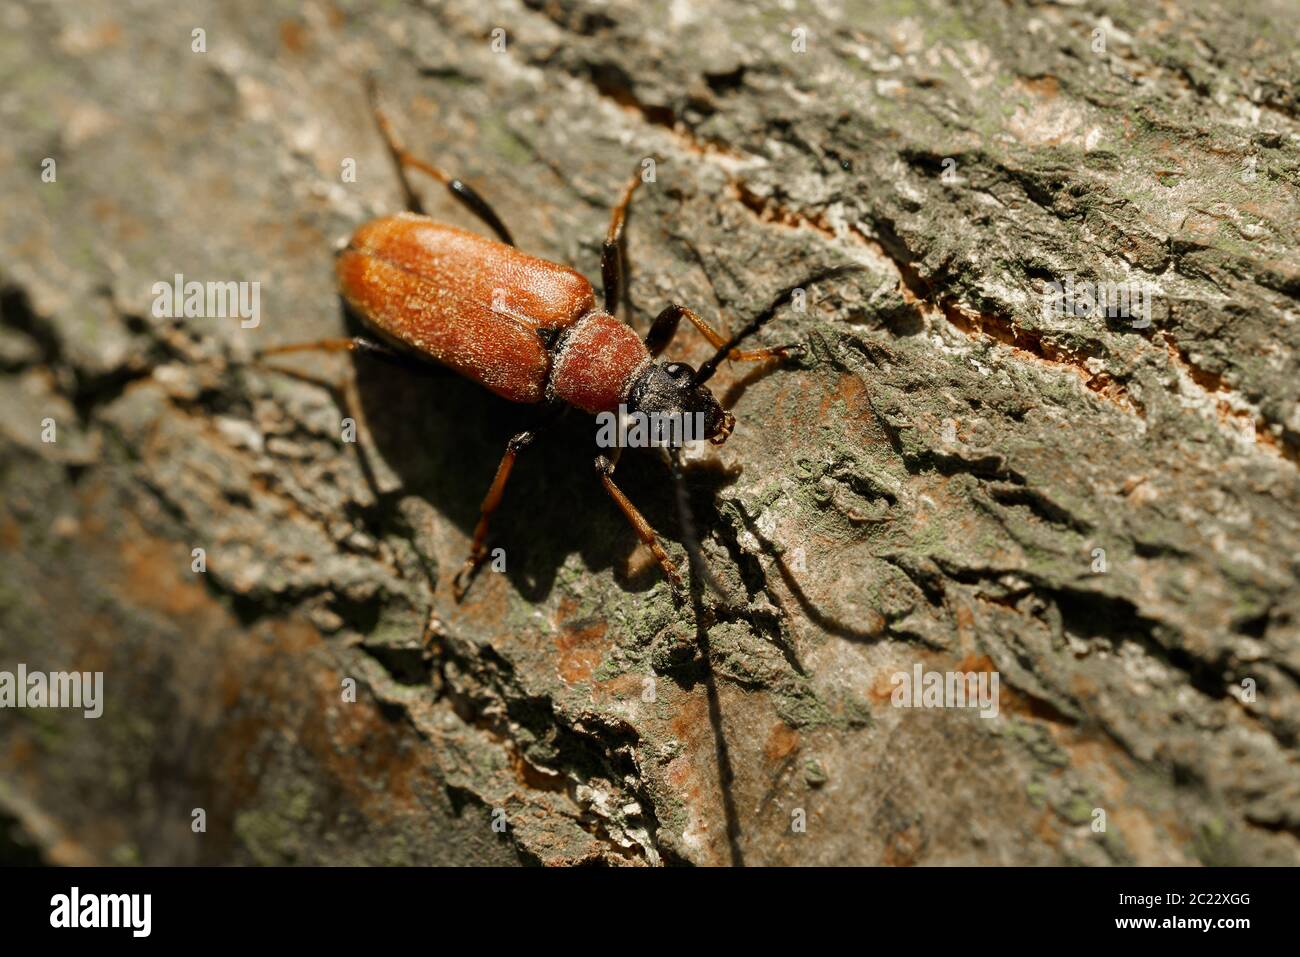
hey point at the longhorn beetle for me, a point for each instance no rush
(527, 329)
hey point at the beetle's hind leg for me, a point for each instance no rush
(402, 160)
(644, 531)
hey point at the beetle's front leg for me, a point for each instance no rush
(665, 327)
(605, 468)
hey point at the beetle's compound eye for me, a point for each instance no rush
(679, 372)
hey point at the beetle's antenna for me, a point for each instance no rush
(700, 570)
(785, 295)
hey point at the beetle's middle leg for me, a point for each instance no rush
(644, 531)
(665, 326)
(358, 344)
(478, 548)
(467, 197)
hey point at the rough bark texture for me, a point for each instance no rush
(929, 483)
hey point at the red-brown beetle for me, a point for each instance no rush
(527, 329)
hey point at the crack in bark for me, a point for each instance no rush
(493, 702)
(1027, 343)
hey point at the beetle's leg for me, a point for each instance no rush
(357, 344)
(644, 531)
(478, 549)
(611, 251)
(665, 325)
(467, 197)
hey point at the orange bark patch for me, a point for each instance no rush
(622, 688)
(154, 578)
(782, 741)
(581, 651)
(903, 847)
(1047, 87)
(293, 36)
(976, 663)
(882, 688)
(1047, 829)
(11, 534)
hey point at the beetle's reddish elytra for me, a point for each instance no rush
(528, 329)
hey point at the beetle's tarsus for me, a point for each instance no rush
(671, 572)
(761, 355)
(465, 577)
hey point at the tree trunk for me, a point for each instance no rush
(962, 472)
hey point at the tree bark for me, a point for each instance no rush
(1102, 510)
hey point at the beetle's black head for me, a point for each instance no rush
(669, 389)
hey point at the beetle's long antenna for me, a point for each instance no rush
(695, 554)
(785, 295)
